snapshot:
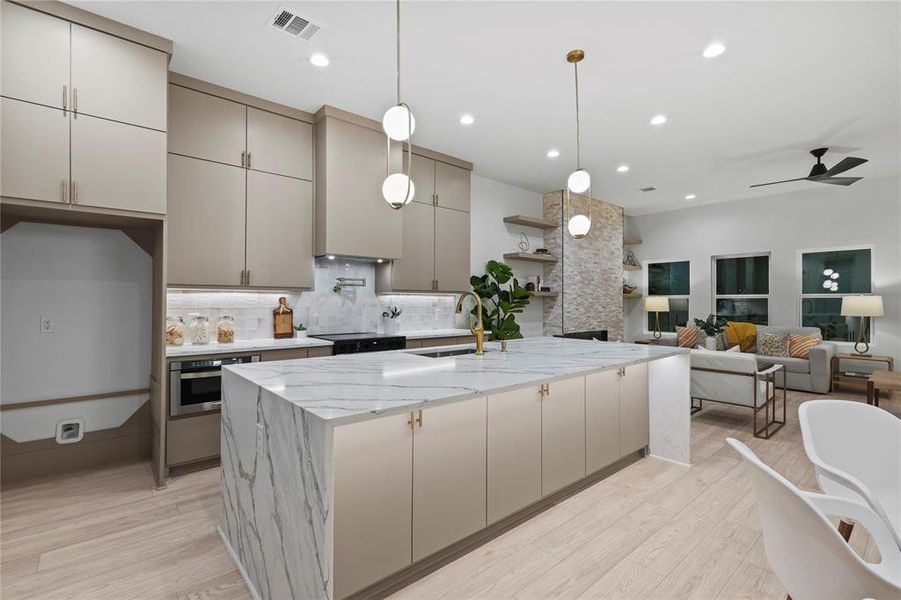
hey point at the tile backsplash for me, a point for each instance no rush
(353, 309)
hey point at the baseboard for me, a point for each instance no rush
(237, 561)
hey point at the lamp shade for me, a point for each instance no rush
(656, 304)
(862, 306)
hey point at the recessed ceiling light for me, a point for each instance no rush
(380, 260)
(690, 197)
(319, 60)
(622, 168)
(714, 50)
(467, 119)
(553, 153)
(658, 120)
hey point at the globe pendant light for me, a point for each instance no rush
(579, 181)
(398, 123)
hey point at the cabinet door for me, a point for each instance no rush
(423, 178)
(633, 407)
(34, 151)
(452, 184)
(373, 469)
(514, 451)
(205, 223)
(115, 165)
(204, 126)
(449, 468)
(116, 79)
(35, 55)
(451, 249)
(562, 434)
(279, 145)
(601, 420)
(279, 231)
(416, 270)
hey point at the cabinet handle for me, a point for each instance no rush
(75, 100)
(65, 97)
(74, 192)
(243, 160)
(547, 389)
(419, 419)
(64, 190)
(248, 276)
(248, 159)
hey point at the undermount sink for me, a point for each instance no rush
(445, 353)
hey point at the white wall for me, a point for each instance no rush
(491, 237)
(96, 284)
(815, 217)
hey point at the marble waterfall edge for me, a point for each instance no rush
(275, 493)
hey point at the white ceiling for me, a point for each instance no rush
(796, 75)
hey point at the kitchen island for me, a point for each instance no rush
(340, 472)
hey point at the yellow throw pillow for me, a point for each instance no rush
(689, 337)
(799, 345)
(742, 334)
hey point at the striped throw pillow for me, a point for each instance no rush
(689, 337)
(799, 345)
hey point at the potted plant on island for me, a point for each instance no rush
(500, 305)
(713, 326)
(301, 330)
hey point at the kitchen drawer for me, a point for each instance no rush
(319, 351)
(192, 439)
(441, 341)
(283, 354)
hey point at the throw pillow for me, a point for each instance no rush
(689, 337)
(734, 349)
(772, 344)
(743, 334)
(799, 345)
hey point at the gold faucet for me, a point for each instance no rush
(479, 329)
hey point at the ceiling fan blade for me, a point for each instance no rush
(775, 182)
(837, 180)
(845, 164)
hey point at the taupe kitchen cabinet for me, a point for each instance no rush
(633, 408)
(562, 434)
(416, 271)
(206, 126)
(602, 416)
(514, 451)
(34, 151)
(449, 470)
(442, 184)
(205, 223)
(451, 250)
(352, 217)
(277, 144)
(279, 231)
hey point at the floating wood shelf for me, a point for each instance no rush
(527, 221)
(631, 268)
(632, 295)
(542, 258)
(631, 241)
(544, 294)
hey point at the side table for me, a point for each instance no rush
(839, 378)
(882, 380)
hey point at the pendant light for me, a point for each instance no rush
(398, 123)
(579, 181)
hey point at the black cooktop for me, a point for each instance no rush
(350, 343)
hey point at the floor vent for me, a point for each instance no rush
(649, 188)
(290, 22)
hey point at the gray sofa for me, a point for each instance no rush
(811, 374)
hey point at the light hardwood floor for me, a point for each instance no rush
(653, 530)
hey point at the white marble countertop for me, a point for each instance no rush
(435, 333)
(239, 346)
(353, 387)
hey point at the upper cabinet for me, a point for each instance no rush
(277, 144)
(34, 158)
(206, 126)
(452, 186)
(118, 80)
(35, 56)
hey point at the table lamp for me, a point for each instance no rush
(863, 307)
(656, 305)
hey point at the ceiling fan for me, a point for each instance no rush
(821, 174)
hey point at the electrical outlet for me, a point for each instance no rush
(46, 324)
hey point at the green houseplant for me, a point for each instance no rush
(501, 303)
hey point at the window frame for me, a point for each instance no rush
(769, 281)
(646, 286)
(801, 296)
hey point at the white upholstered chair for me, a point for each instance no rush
(733, 378)
(856, 449)
(808, 555)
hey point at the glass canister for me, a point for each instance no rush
(225, 329)
(175, 331)
(200, 329)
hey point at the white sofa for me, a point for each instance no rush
(734, 378)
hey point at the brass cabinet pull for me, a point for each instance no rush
(410, 421)
(419, 419)
(545, 389)
(248, 159)
(75, 100)
(243, 160)
(65, 97)
(74, 192)
(248, 276)
(64, 190)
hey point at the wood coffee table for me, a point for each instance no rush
(882, 380)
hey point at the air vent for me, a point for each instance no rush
(290, 22)
(649, 188)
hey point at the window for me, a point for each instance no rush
(670, 279)
(825, 278)
(742, 288)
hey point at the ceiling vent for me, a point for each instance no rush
(649, 188)
(285, 19)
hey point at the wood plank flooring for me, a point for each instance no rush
(654, 530)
